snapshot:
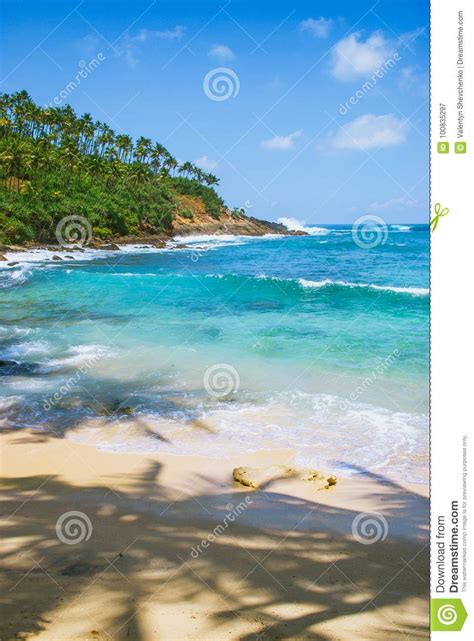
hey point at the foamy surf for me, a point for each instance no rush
(306, 424)
(293, 224)
(412, 291)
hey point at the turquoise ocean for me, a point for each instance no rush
(227, 344)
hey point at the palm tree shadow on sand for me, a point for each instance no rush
(286, 568)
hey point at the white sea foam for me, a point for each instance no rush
(293, 224)
(80, 355)
(29, 348)
(401, 227)
(206, 242)
(413, 291)
(9, 332)
(9, 402)
(311, 425)
(14, 276)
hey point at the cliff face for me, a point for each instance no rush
(193, 219)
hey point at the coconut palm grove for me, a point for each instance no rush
(55, 163)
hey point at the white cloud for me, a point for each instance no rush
(371, 131)
(414, 79)
(128, 47)
(223, 53)
(353, 58)
(318, 28)
(206, 163)
(409, 37)
(89, 43)
(400, 203)
(282, 142)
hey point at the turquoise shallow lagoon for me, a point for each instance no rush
(324, 345)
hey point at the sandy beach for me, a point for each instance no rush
(170, 547)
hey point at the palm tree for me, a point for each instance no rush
(186, 168)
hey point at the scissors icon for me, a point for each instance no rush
(438, 213)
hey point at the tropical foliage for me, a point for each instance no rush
(54, 163)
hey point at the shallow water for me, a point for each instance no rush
(318, 345)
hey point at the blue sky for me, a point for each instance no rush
(286, 140)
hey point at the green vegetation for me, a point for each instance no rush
(54, 163)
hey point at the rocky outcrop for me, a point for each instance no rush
(193, 218)
(229, 224)
(257, 477)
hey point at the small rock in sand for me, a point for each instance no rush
(255, 477)
(332, 480)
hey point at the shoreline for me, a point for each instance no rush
(13, 253)
(162, 557)
(204, 224)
